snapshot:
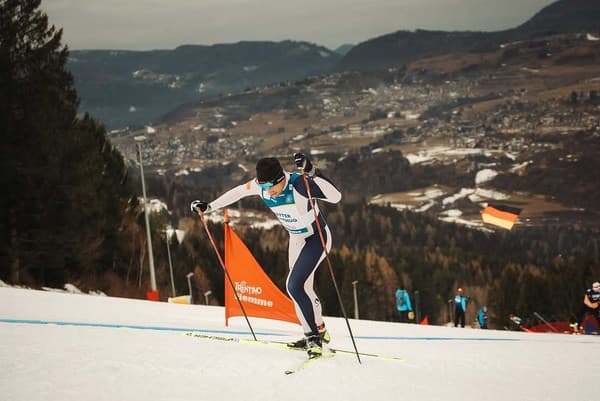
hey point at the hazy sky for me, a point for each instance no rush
(166, 24)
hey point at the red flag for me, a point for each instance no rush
(425, 321)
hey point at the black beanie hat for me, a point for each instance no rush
(268, 169)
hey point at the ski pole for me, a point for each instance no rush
(324, 244)
(214, 245)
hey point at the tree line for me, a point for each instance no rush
(526, 270)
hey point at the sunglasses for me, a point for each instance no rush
(269, 184)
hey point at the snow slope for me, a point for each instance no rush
(56, 346)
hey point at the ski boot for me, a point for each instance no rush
(301, 343)
(314, 346)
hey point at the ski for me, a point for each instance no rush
(271, 344)
(348, 352)
(307, 362)
(283, 345)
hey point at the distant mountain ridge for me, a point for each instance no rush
(344, 49)
(564, 16)
(129, 88)
(401, 47)
(136, 87)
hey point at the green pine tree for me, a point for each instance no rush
(64, 184)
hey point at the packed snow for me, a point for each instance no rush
(264, 221)
(66, 346)
(485, 175)
(426, 198)
(463, 193)
(178, 234)
(181, 172)
(451, 213)
(443, 153)
(155, 205)
(481, 193)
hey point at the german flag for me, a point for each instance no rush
(500, 215)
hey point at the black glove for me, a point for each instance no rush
(198, 204)
(302, 163)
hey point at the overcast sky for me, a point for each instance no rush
(166, 24)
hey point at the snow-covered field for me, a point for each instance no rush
(57, 346)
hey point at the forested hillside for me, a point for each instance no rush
(521, 272)
(401, 47)
(126, 88)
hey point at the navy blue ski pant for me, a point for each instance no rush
(305, 254)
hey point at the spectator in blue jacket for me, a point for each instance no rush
(482, 317)
(403, 304)
(460, 307)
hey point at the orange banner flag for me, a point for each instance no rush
(259, 295)
(425, 321)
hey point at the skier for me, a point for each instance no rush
(589, 314)
(287, 196)
(403, 304)
(460, 306)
